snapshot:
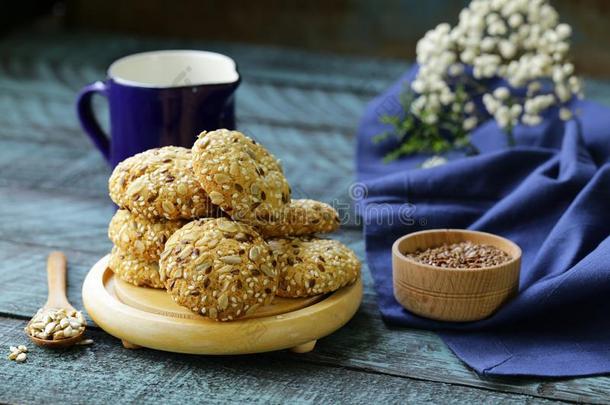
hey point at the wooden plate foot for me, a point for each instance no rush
(128, 345)
(305, 347)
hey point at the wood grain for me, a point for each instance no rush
(70, 171)
(57, 267)
(159, 302)
(455, 295)
(364, 344)
(105, 372)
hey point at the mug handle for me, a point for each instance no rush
(87, 118)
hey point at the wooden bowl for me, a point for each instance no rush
(449, 294)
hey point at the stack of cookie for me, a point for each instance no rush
(157, 194)
(237, 238)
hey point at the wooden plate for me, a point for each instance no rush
(150, 318)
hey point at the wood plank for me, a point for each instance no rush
(367, 343)
(53, 167)
(38, 102)
(23, 288)
(104, 372)
(292, 90)
(54, 220)
(364, 344)
(319, 164)
(64, 220)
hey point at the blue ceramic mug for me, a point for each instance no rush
(160, 98)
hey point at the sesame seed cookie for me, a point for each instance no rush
(159, 183)
(143, 238)
(240, 175)
(133, 270)
(311, 266)
(219, 268)
(301, 217)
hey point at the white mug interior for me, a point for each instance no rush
(173, 68)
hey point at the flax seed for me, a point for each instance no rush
(461, 255)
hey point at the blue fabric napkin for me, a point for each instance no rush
(550, 195)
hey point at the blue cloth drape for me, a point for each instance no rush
(550, 194)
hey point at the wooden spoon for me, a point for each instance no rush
(56, 275)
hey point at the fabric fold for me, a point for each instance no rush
(550, 194)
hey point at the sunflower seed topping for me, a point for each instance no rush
(55, 324)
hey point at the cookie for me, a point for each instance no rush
(240, 175)
(143, 238)
(219, 268)
(133, 270)
(301, 217)
(159, 183)
(311, 266)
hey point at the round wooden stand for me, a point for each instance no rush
(144, 317)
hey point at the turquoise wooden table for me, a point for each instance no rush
(53, 195)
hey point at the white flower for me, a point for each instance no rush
(491, 105)
(433, 162)
(518, 41)
(565, 114)
(507, 49)
(515, 20)
(467, 56)
(477, 72)
(575, 84)
(486, 65)
(503, 117)
(531, 119)
(418, 105)
(456, 69)
(431, 119)
(563, 31)
(469, 123)
(558, 74)
(533, 88)
(562, 47)
(530, 107)
(488, 44)
(417, 86)
(497, 28)
(492, 18)
(515, 110)
(538, 104)
(563, 93)
(501, 93)
(434, 102)
(469, 107)
(447, 97)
